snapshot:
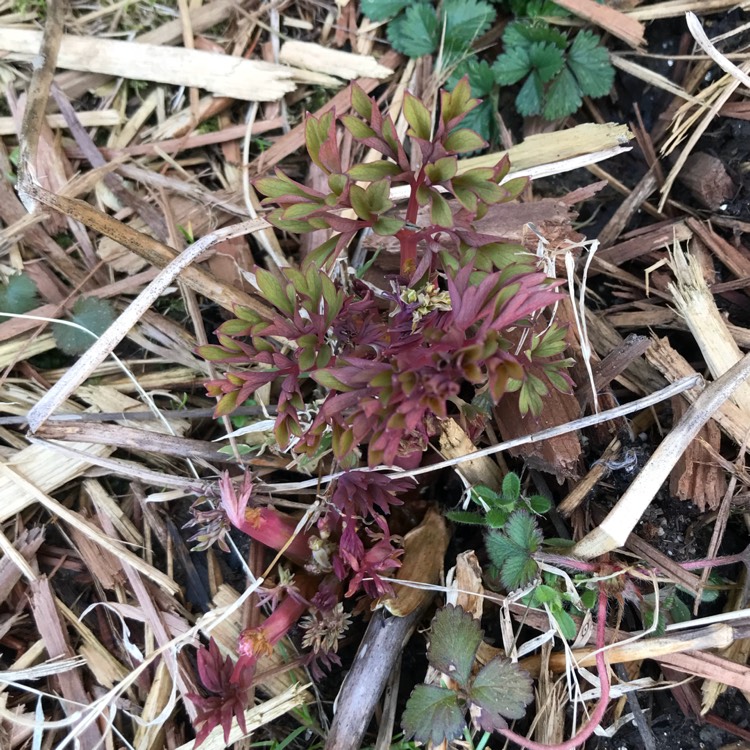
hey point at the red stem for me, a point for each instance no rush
(598, 714)
(406, 236)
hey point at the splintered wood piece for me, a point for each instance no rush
(558, 455)
(674, 366)
(335, 62)
(56, 642)
(454, 442)
(616, 23)
(707, 179)
(696, 304)
(27, 543)
(422, 562)
(621, 520)
(696, 477)
(225, 75)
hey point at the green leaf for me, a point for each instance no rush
(382, 10)
(512, 486)
(418, 116)
(272, 291)
(359, 202)
(454, 640)
(590, 64)
(546, 59)
(377, 196)
(465, 516)
(500, 691)
(357, 128)
(465, 21)
(462, 140)
(440, 211)
(529, 99)
(679, 610)
(565, 621)
(563, 96)
(19, 295)
(361, 103)
(386, 226)
(433, 714)
(496, 518)
(95, 315)
(512, 65)
(442, 170)
(512, 549)
(480, 74)
(328, 380)
(375, 170)
(539, 504)
(415, 32)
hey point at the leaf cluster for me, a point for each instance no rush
(495, 508)
(20, 294)
(420, 28)
(556, 70)
(500, 690)
(388, 368)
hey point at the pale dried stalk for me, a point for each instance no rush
(696, 305)
(104, 345)
(621, 520)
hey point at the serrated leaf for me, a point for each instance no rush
(679, 610)
(465, 21)
(590, 64)
(480, 74)
(19, 295)
(512, 65)
(433, 714)
(93, 314)
(511, 549)
(524, 33)
(511, 486)
(381, 10)
(415, 32)
(563, 96)
(546, 59)
(454, 640)
(529, 99)
(500, 691)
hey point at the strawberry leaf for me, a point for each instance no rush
(382, 10)
(19, 295)
(512, 549)
(500, 691)
(563, 96)
(590, 64)
(433, 714)
(415, 32)
(454, 641)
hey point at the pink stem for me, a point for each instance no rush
(274, 529)
(598, 714)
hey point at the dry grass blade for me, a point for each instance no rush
(614, 21)
(106, 343)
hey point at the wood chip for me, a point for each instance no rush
(332, 61)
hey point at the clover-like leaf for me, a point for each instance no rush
(90, 313)
(19, 295)
(500, 691)
(590, 64)
(433, 714)
(465, 21)
(454, 641)
(512, 65)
